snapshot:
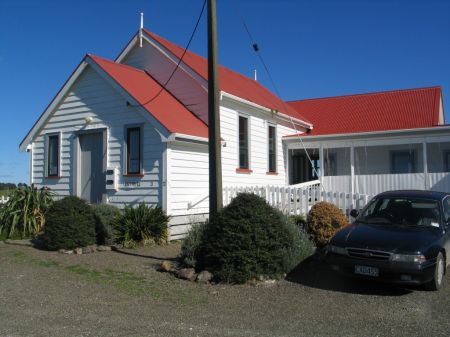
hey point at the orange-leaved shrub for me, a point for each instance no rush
(323, 221)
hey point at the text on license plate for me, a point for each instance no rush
(368, 271)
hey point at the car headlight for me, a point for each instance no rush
(415, 258)
(337, 250)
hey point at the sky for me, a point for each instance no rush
(315, 48)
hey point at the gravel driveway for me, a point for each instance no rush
(121, 294)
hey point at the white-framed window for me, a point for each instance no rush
(52, 158)
(272, 148)
(133, 150)
(243, 141)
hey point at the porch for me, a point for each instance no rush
(371, 164)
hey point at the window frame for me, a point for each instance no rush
(239, 167)
(275, 152)
(127, 133)
(48, 143)
(410, 153)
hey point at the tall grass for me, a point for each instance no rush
(24, 214)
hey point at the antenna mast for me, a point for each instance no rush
(140, 29)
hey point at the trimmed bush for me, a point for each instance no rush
(105, 217)
(141, 225)
(190, 247)
(70, 224)
(247, 240)
(324, 220)
(23, 216)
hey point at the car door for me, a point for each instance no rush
(447, 228)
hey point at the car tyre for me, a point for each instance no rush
(439, 272)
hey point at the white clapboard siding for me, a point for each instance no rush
(187, 178)
(91, 96)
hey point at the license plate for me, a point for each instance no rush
(368, 271)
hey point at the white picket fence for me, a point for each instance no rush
(298, 199)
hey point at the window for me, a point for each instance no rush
(402, 162)
(134, 150)
(272, 137)
(53, 156)
(330, 168)
(446, 161)
(243, 143)
(447, 209)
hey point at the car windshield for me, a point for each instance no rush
(402, 211)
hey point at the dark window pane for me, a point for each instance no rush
(53, 155)
(272, 149)
(243, 143)
(133, 150)
(403, 162)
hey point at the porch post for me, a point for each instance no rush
(287, 171)
(352, 168)
(425, 163)
(322, 162)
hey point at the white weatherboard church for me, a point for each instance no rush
(114, 134)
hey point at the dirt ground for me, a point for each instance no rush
(121, 294)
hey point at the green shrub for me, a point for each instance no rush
(105, 217)
(306, 246)
(298, 220)
(141, 225)
(23, 215)
(324, 220)
(70, 224)
(247, 240)
(191, 245)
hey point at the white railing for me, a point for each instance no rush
(298, 199)
(4, 200)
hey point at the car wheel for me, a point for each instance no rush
(439, 272)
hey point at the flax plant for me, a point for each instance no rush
(24, 214)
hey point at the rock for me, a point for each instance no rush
(166, 266)
(86, 250)
(25, 243)
(78, 251)
(186, 274)
(204, 277)
(103, 248)
(64, 251)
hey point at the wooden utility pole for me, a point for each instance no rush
(214, 141)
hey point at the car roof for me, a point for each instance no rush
(414, 194)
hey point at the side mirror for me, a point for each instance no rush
(354, 213)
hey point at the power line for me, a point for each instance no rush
(163, 87)
(277, 92)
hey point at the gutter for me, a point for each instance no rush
(372, 133)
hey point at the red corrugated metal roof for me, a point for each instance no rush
(231, 81)
(389, 110)
(173, 115)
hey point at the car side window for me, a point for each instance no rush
(447, 208)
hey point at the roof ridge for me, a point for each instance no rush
(367, 93)
(286, 107)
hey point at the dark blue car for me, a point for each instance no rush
(400, 237)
